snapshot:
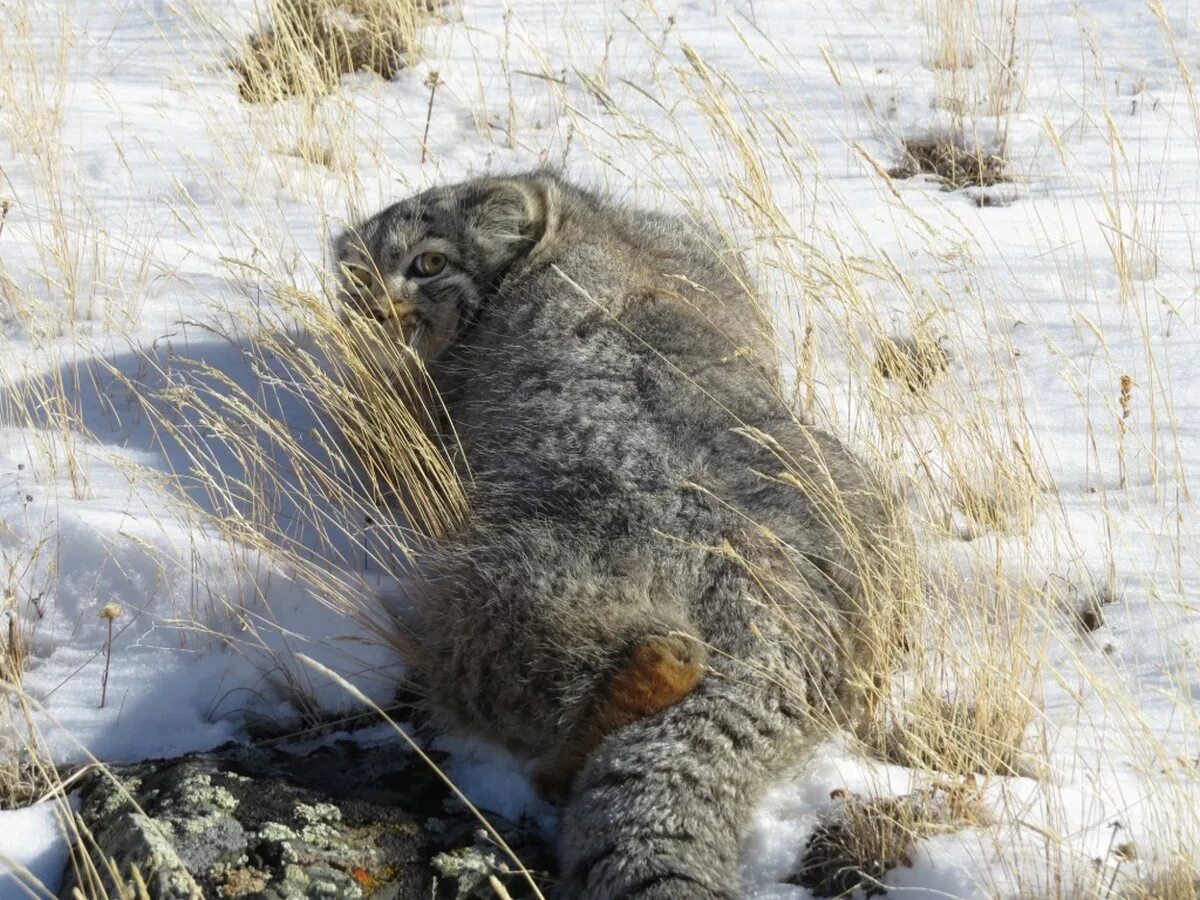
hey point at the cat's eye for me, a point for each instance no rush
(426, 265)
(358, 276)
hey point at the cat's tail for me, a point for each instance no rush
(661, 808)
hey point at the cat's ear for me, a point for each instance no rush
(508, 218)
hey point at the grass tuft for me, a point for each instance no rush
(958, 735)
(952, 163)
(310, 44)
(914, 362)
(862, 838)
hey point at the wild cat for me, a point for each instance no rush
(664, 576)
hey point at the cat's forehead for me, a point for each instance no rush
(432, 214)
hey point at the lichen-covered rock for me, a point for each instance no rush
(345, 821)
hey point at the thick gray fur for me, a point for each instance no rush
(632, 470)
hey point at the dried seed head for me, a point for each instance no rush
(1126, 395)
(110, 611)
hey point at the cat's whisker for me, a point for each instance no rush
(413, 339)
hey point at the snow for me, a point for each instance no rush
(33, 851)
(154, 220)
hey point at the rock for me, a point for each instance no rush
(254, 821)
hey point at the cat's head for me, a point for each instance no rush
(424, 268)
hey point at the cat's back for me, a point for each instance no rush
(608, 369)
(619, 304)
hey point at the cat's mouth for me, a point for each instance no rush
(402, 323)
(396, 322)
(395, 318)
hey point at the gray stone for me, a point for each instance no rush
(344, 821)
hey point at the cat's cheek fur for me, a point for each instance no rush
(439, 332)
(380, 352)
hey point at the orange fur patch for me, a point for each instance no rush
(660, 672)
(655, 677)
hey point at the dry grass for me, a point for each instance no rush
(860, 839)
(954, 645)
(21, 781)
(975, 732)
(1180, 881)
(951, 164)
(310, 44)
(26, 776)
(950, 29)
(914, 362)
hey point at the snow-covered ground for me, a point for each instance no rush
(32, 848)
(153, 224)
